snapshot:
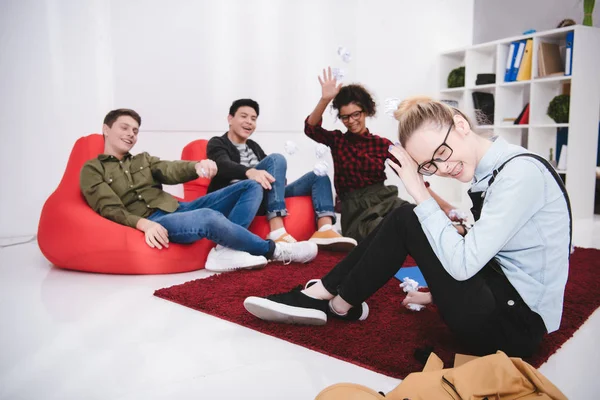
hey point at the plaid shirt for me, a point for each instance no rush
(359, 160)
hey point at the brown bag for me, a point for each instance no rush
(495, 377)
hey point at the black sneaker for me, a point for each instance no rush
(293, 307)
(354, 314)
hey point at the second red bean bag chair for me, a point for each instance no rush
(300, 221)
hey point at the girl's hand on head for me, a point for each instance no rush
(407, 170)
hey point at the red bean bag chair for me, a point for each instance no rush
(300, 221)
(73, 236)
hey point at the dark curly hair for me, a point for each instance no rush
(358, 95)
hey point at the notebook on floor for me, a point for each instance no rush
(412, 273)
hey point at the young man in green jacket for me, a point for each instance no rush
(127, 189)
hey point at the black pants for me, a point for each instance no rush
(485, 311)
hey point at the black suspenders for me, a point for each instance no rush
(557, 178)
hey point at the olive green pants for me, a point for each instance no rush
(363, 209)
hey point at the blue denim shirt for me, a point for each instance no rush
(524, 224)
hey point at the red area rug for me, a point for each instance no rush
(387, 340)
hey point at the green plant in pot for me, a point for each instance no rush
(558, 109)
(456, 78)
(588, 9)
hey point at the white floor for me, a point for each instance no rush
(67, 335)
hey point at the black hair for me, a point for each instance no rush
(243, 103)
(358, 95)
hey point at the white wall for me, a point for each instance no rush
(56, 85)
(181, 66)
(499, 19)
(64, 64)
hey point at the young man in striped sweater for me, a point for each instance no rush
(239, 158)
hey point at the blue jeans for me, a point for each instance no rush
(310, 184)
(222, 217)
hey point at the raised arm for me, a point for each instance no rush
(329, 89)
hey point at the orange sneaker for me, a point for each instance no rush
(286, 238)
(332, 241)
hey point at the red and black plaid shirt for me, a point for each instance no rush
(359, 160)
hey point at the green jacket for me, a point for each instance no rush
(126, 191)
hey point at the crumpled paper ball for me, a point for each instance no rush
(344, 54)
(457, 214)
(321, 150)
(391, 105)
(415, 307)
(321, 168)
(409, 285)
(338, 74)
(291, 148)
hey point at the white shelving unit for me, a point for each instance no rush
(510, 98)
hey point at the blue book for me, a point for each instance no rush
(412, 273)
(569, 53)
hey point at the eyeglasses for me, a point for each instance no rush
(354, 116)
(441, 154)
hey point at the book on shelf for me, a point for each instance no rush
(549, 60)
(523, 118)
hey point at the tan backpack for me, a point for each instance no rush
(496, 377)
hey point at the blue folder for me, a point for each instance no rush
(510, 60)
(412, 273)
(569, 53)
(520, 50)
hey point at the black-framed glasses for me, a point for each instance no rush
(354, 116)
(441, 154)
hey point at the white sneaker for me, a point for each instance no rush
(302, 252)
(223, 259)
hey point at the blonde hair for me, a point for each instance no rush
(413, 112)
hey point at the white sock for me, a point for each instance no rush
(277, 233)
(325, 227)
(333, 310)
